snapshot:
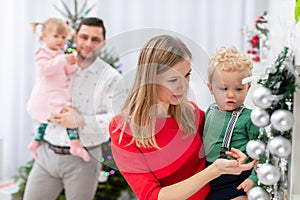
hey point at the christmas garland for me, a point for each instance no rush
(258, 39)
(272, 148)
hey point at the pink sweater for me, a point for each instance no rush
(51, 91)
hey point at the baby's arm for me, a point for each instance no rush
(71, 58)
(72, 67)
(48, 65)
(246, 185)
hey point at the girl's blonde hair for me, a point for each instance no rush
(56, 24)
(140, 111)
(229, 59)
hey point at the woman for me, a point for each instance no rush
(156, 139)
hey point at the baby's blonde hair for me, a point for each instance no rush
(56, 24)
(230, 60)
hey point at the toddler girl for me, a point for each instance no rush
(51, 92)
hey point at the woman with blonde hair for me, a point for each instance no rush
(157, 137)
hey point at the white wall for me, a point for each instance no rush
(204, 24)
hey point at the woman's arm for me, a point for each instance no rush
(186, 188)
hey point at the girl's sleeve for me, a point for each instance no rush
(47, 65)
(133, 165)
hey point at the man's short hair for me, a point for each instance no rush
(92, 21)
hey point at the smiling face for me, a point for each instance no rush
(228, 90)
(89, 41)
(172, 84)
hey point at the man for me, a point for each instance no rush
(93, 89)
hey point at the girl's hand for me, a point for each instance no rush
(71, 58)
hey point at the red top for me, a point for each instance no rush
(180, 157)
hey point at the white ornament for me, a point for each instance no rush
(254, 148)
(265, 51)
(260, 117)
(258, 193)
(262, 97)
(268, 174)
(279, 146)
(102, 177)
(267, 43)
(270, 70)
(282, 120)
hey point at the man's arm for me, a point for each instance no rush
(107, 97)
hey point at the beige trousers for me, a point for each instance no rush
(53, 172)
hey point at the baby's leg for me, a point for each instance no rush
(33, 147)
(38, 138)
(76, 148)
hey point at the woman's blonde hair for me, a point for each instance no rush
(158, 55)
(56, 24)
(229, 59)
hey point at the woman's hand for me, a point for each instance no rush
(237, 154)
(233, 166)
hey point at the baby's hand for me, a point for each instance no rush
(71, 58)
(247, 184)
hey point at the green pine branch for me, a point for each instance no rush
(297, 11)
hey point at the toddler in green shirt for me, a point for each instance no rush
(228, 122)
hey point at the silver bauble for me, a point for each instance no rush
(282, 120)
(258, 193)
(279, 146)
(267, 43)
(268, 174)
(254, 148)
(260, 117)
(262, 97)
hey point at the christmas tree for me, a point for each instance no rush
(274, 113)
(258, 38)
(73, 18)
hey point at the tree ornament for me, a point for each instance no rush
(102, 177)
(268, 174)
(278, 194)
(282, 120)
(270, 70)
(284, 177)
(258, 193)
(262, 97)
(260, 117)
(280, 146)
(254, 148)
